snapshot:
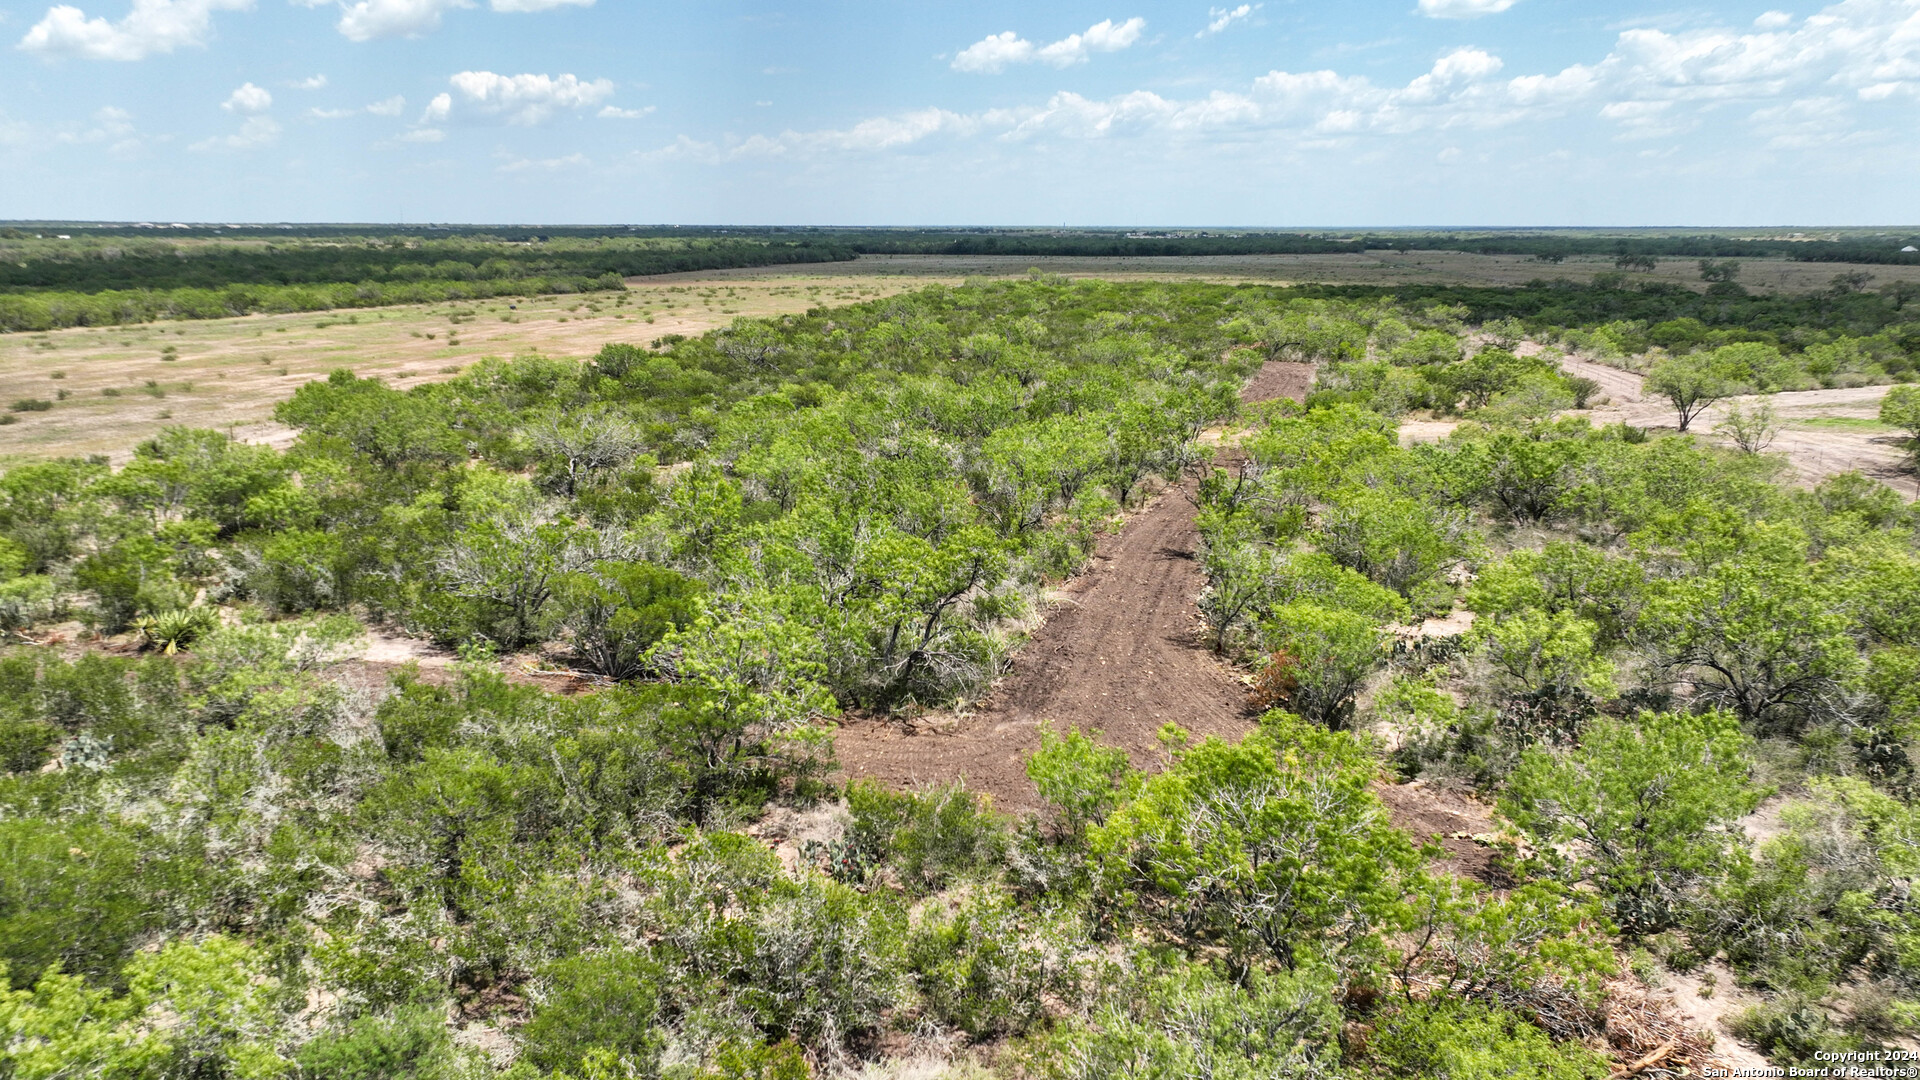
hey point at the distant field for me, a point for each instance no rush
(229, 373)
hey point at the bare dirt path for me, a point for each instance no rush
(1826, 432)
(1122, 654)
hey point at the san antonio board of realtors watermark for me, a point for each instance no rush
(1843, 1063)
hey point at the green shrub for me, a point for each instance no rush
(929, 839)
(989, 968)
(26, 601)
(75, 894)
(1189, 1022)
(1081, 779)
(619, 611)
(1790, 1031)
(408, 1045)
(615, 359)
(24, 744)
(608, 1001)
(1473, 1042)
(299, 571)
(126, 580)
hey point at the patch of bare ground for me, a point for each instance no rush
(1815, 446)
(1650, 1033)
(1414, 432)
(1122, 653)
(1703, 999)
(1278, 379)
(1451, 819)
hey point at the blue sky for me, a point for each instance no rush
(1369, 112)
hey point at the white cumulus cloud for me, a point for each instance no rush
(1219, 19)
(1840, 76)
(110, 124)
(153, 26)
(368, 20)
(571, 161)
(996, 52)
(315, 82)
(614, 112)
(256, 132)
(522, 99)
(392, 106)
(1463, 9)
(248, 99)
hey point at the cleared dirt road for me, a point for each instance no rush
(1122, 653)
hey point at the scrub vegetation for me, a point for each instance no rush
(232, 847)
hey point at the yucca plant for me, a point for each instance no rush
(171, 631)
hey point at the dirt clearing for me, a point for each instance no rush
(1824, 433)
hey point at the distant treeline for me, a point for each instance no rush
(1544, 246)
(1559, 245)
(1879, 249)
(634, 250)
(28, 312)
(1095, 244)
(95, 266)
(1574, 304)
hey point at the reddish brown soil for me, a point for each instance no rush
(1450, 819)
(1277, 379)
(1122, 654)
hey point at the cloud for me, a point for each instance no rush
(996, 52)
(571, 161)
(153, 26)
(424, 135)
(13, 132)
(1460, 90)
(1773, 20)
(1463, 9)
(368, 20)
(438, 109)
(868, 136)
(256, 132)
(112, 126)
(315, 82)
(1219, 19)
(248, 99)
(614, 112)
(521, 99)
(993, 53)
(1802, 124)
(392, 106)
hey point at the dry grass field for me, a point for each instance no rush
(123, 384)
(111, 387)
